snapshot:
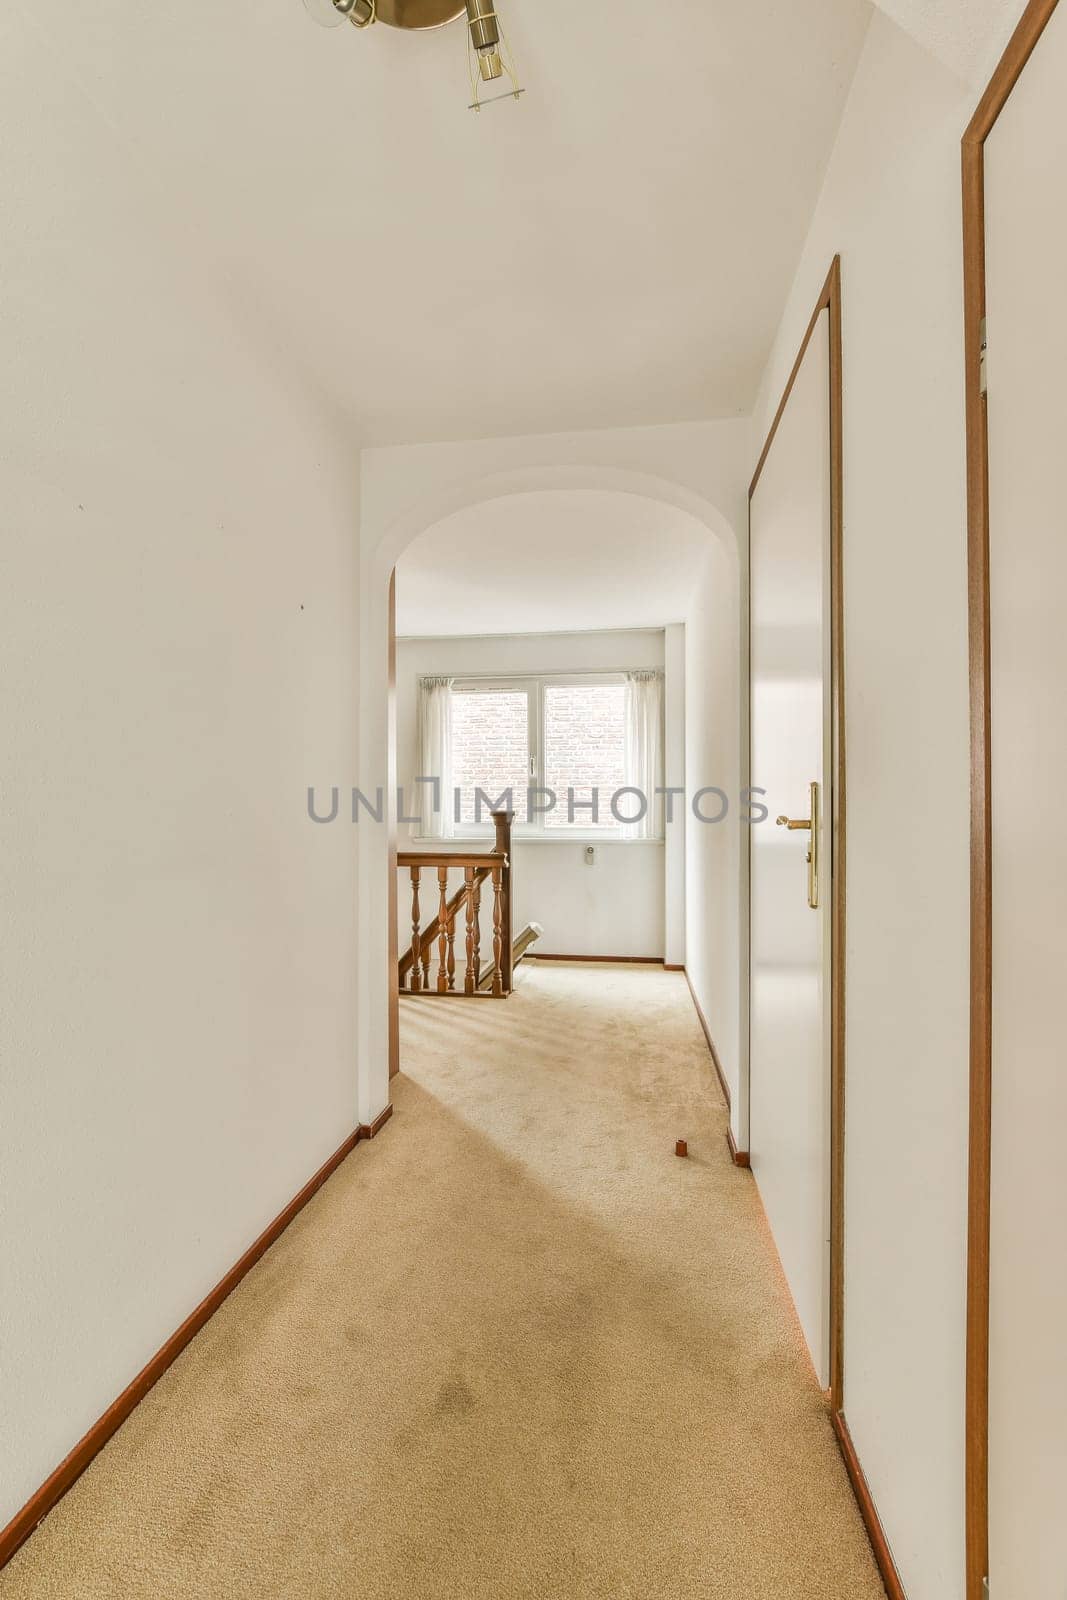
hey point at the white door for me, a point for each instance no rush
(1026, 287)
(789, 1137)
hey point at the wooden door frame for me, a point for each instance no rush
(393, 978)
(829, 300)
(1020, 47)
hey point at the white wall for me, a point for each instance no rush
(674, 777)
(891, 206)
(713, 728)
(177, 618)
(615, 907)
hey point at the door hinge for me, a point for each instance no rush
(985, 1589)
(983, 384)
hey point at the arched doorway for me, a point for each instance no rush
(383, 545)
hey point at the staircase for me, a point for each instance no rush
(428, 966)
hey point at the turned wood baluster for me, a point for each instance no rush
(498, 931)
(451, 952)
(470, 982)
(416, 969)
(443, 940)
(477, 932)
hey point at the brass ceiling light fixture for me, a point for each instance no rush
(488, 53)
(331, 13)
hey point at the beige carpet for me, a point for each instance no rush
(515, 1348)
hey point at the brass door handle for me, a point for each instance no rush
(812, 823)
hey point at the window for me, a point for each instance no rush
(585, 750)
(567, 735)
(491, 747)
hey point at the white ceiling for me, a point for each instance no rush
(554, 561)
(967, 36)
(613, 249)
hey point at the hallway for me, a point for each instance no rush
(515, 1347)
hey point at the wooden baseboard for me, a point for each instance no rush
(669, 966)
(366, 1130)
(868, 1511)
(720, 1074)
(625, 961)
(67, 1473)
(740, 1158)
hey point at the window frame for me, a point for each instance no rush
(476, 684)
(534, 686)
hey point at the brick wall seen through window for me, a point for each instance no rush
(490, 748)
(585, 749)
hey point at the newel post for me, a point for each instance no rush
(502, 821)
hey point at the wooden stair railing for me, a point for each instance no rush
(492, 866)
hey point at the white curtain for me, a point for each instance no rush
(644, 752)
(435, 757)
